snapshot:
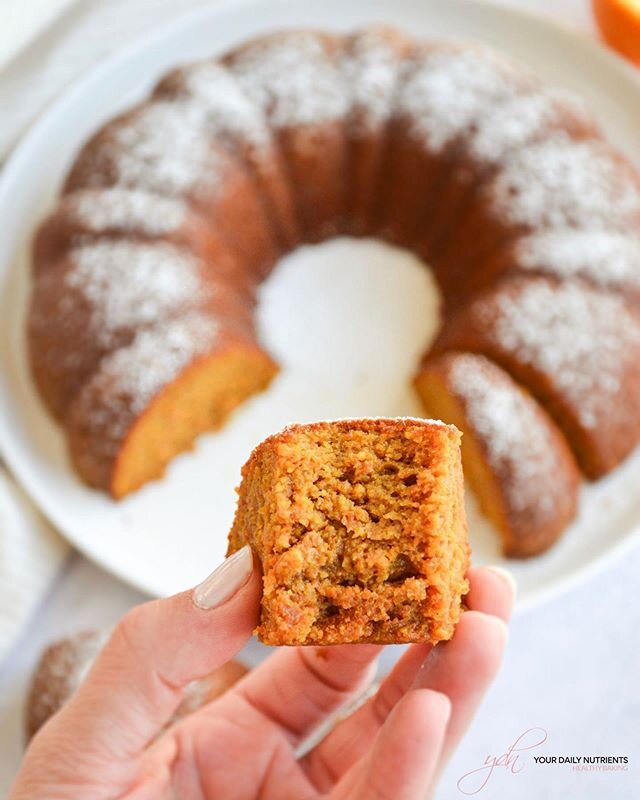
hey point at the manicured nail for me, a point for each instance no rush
(225, 580)
(507, 577)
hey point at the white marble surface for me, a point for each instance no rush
(572, 666)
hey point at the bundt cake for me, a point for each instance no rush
(516, 460)
(140, 328)
(360, 528)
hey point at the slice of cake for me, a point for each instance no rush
(147, 402)
(360, 529)
(515, 458)
(575, 348)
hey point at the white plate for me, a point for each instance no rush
(347, 320)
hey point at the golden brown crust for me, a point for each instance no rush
(371, 61)
(274, 70)
(233, 119)
(128, 152)
(360, 529)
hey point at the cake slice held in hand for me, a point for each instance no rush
(360, 529)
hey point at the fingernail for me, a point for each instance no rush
(507, 577)
(225, 580)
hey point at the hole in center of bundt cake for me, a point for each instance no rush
(351, 311)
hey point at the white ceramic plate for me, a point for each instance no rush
(346, 320)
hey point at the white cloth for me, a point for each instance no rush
(21, 22)
(31, 556)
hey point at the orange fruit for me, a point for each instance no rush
(619, 23)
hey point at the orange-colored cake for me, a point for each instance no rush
(163, 147)
(516, 460)
(558, 182)
(445, 89)
(293, 78)
(606, 259)
(519, 121)
(148, 401)
(371, 63)
(232, 118)
(100, 296)
(92, 215)
(360, 529)
(576, 348)
(528, 217)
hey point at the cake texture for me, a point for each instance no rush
(64, 664)
(516, 460)
(360, 528)
(141, 330)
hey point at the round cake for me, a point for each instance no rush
(141, 330)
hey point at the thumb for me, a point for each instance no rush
(137, 681)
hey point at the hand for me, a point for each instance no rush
(108, 741)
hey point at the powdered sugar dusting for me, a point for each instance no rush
(609, 259)
(520, 120)
(157, 355)
(370, 68)
(583, 339)
(292, 78)
(129, 284)
(509, 426)
(227, 110)
(449, 87)
(561, 182)
(162, 147)
(128, 210)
